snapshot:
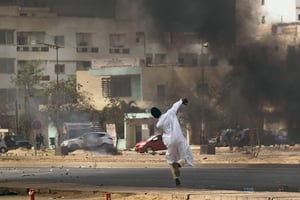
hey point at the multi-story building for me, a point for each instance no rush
(113, 57)
(121, 57)
(273, 24)
(59, 45)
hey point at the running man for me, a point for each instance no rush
(179, 152)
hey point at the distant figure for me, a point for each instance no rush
(241, 138)
(218, 138)
(39, 140)
(179, 152)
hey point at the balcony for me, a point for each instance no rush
(119, 50)
(84, 49)
(31, 48)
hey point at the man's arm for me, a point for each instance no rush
(177, 104)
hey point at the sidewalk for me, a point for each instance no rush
(72, 191)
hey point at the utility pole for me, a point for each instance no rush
(57, 66)
(203, 88)
(57, 69)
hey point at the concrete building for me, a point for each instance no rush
(120, 57)
(275, 25)
(60, 46)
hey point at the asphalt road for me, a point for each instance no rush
(234, 178)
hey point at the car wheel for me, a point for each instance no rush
(149, 150)
(109, 148)
(64, 150)
(73, 147)
(3, 150)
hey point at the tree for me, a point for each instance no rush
(67, 103)
(113, 113)
(26, 80)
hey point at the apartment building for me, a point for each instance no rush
(113, 57)
(121, 56)
(275, 25)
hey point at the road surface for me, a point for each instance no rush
(233, 178)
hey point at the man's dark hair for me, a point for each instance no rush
(155, 112)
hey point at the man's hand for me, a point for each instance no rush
(185, 101)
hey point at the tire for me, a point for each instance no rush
(74, 147)
(3, 150)
(149, 150)
(64, 151)
(108, 148)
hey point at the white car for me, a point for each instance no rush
(89, 140)
(3, 147)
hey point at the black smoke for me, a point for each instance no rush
(213, 20)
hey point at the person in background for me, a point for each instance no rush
(39, 139)
(178, 152)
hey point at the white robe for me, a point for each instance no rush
(177, 146)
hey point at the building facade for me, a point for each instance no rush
(122, 57)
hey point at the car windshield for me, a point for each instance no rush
(19, 137)
(151, 138)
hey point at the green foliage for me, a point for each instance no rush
(28, 75)
(25, 125)
(64, 96)
(113, 113)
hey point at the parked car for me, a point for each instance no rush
(17, 141)
(152, 144)
(91, 140)
(282, 137)
(3, 147)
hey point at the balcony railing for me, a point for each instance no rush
(31, 48)
(84, 49)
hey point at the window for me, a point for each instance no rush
(59, 40)
(83, 65)
(161, 90)
(263, 19)
(140, 37)
(83, 39)
(160, 58)
(149, 59)
(116, 86)
(59, 68)
(6, 36)
(30, 38)
(106, 91)
(7, 66)
(190, 59)
(181, 61)
(117, 40)
(7, 96)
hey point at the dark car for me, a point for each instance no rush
(152, 144)
(282, 137)
(17, 141)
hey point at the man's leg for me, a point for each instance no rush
(172, 156)
(175, 173)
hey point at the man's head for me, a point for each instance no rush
(155, 112)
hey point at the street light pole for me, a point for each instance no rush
(56, 47)
(202, 86)
(56, 68)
